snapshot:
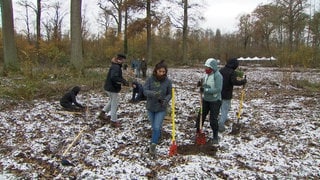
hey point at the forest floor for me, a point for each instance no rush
(279, 134)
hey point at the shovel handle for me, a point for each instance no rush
(200, 123)
(74, 140)
(173, 115)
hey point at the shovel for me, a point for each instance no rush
(173, 148)
(236, 126)
(64, 161)
(200, 136)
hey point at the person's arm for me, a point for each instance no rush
(74, 100)
(147, 90)
(235, 81)
(116, 76)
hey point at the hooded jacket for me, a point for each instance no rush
(212, 83)
(70, 98)
(114, 78)
(137, 92)
(230, 78)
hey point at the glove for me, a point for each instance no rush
(244, 81)
(163, 102)
(201, 89)
(125, 83)
(156, 94)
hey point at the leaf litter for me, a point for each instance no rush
(279, 135)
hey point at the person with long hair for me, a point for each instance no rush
(158, 90)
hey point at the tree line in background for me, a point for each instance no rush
(286, 29)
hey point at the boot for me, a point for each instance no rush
(152, 149)
(102, 115)
(215, 139)
(115, 124)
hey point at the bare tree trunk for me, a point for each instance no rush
(149, 43)
(9, 45)
(38, 24)
(76, 38)
(125, 37)
(185, 33)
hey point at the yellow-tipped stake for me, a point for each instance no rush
(173, 147)
(236, 126)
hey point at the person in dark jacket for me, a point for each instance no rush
(112, 87)
(158, 90)
(137, 92)
(229, 80)
(144, 68)
(69, 101)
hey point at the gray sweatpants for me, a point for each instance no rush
(112, 105)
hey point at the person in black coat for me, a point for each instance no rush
(112, 87)
(137, 92)
(144, 68)
(69, 101)
(229, 80)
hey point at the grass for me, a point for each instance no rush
(304, 84)
(48, 83)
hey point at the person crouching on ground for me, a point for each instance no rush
(112, 87)
(157, 89)
(137, 92)
(69, 101)
(211, 88)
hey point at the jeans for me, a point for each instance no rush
(156, 119)
(225, 107)
(112, 105)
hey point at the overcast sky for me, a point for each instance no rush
(222, 14)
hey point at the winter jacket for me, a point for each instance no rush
(230, 78)
(143, 65)
(70, 98)
(137, 92)
(212, 83)
(158, 93)
(114, 78)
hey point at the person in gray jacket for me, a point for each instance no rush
(158, 90)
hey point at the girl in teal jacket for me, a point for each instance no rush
(211, 86)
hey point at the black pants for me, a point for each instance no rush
(69, 106)
(144, 73)
(214, 108)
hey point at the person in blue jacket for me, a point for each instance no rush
(137, 92)
(211, 87)
(158, 90)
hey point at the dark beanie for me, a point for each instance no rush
(121, 56)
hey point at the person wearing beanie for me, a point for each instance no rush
(158, 90)
(137, 92)
(229, 80)
(69, 101)
(112, 87)
(210, 87)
